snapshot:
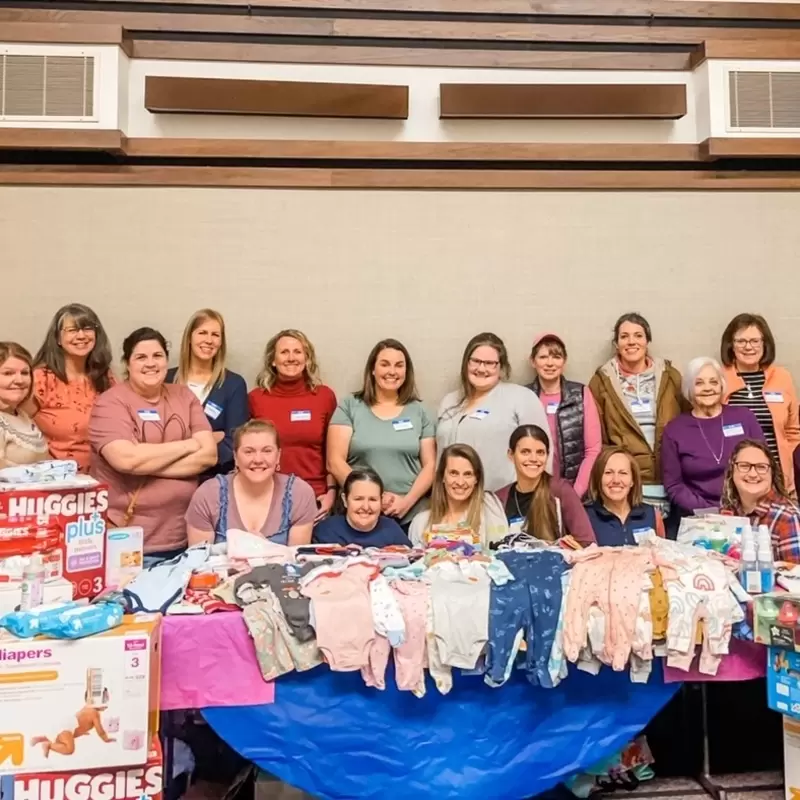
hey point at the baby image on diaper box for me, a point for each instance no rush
(76, 705)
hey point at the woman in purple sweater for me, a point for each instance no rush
(697, 445)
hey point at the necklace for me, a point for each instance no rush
(717, 458)
(516, 503)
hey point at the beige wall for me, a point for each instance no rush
(431, 268)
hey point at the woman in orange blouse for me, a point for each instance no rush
(72, 367)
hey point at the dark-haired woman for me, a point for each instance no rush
(362, 523)
(487, 408)
(385, 427)
(754, 381)
(149, 442)
(71, 369)
(537, 503)
(637, 395)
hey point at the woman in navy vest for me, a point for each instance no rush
(571, 413)
(222, 393)
(617, 512)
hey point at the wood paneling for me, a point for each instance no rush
(734, 147)
(788, 48)
(110, 141)
(599, 180)
(62, 33)
(643, 9)
(275, 98)
(411, 56)
(564, 100)
(408, 151)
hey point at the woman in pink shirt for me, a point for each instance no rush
(571, 413)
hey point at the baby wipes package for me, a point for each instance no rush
(79, 705)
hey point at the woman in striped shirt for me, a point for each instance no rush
(755, 382)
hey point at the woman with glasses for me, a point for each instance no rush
(487, 409)
(71, 369)
(755, 382)
(385, 427)
(754, 488)
(637, 395)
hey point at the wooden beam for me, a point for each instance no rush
(562, 101)
(167, 95)
(744, 147)
(62, 33)
(579, 180)
(786, 49)
(110, 141)
(407, 151)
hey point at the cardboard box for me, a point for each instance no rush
(58, 591)
(776, 620)
(78, 705)
(783, 681)
(124, 556)
(69, 518)
(125, 783)
(791, 758)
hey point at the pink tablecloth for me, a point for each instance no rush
(745, 662)
(209, 660)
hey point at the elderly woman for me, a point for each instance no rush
(754, 488)
(21, 442)
(637, 395)
(698, 444)
(755, 382)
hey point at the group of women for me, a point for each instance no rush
(188, 453)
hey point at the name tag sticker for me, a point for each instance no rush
(515, 525)
(213, 410)
(643, 534)
(552, 408)
(479, 413)
(773, 397)
(734, 429)
(641, 406)
(403, 425)
(300, 416)
(149, 415)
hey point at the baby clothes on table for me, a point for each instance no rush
(284, 581)
(40, 472)
(343, 614)
(460, 600)
(699, 590)
(442, 674)
(386, 615)
(557, 664)
(409, 657)
(412, 572)
(529, 607)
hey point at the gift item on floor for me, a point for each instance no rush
(791, 758)
(124, 783)
(783, 681)
(64, 522)
(124, 556)
(776, 620)
(77, 705)
(53, 592)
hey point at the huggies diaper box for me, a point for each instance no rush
(113, 783)
(65, 522)
(85, 704)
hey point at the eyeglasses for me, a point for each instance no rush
(745, 468)
(748, 343)
(477, 362)
(88, 328)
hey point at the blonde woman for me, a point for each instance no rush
(459, 500)
(292, 396)
(222, 393)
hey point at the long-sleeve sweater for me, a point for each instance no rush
(695, 453)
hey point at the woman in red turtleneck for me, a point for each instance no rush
(293, 398)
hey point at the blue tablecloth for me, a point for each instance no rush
(330, 735)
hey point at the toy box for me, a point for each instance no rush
(783, 681)
(776, 619)
(66, 522)
(57, 591)
(77, 705)
(125, 783)
(124, 556)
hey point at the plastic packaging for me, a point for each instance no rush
(74, 623)
(766, 562)
(26, 624)
(32, 584)
(749, 574)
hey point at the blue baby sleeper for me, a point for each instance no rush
(528, 606)
(281, 537)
